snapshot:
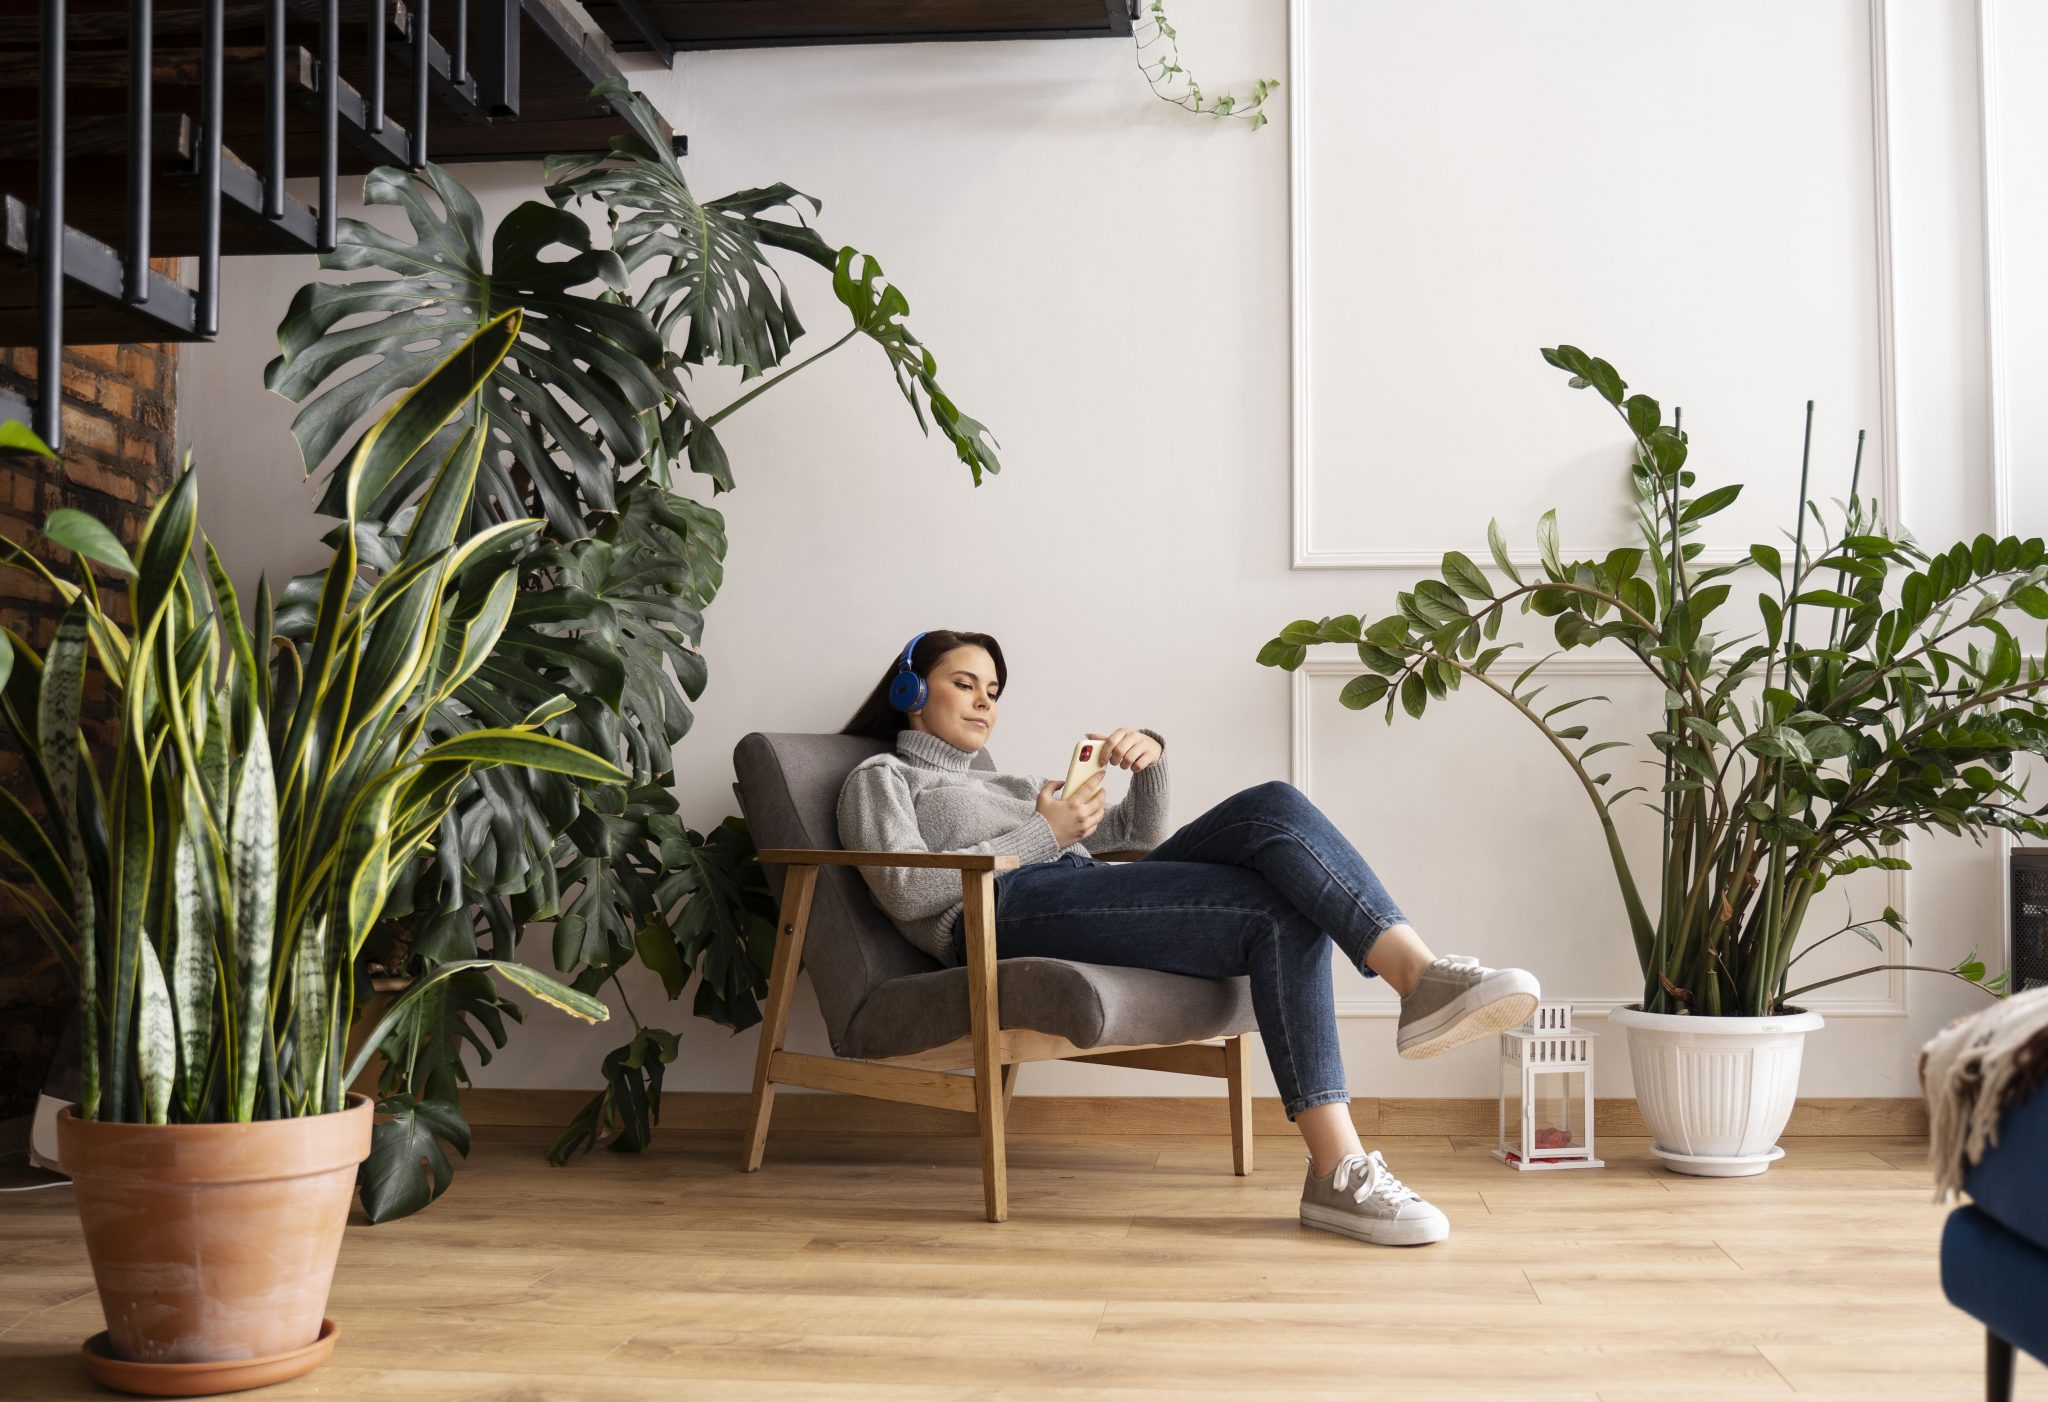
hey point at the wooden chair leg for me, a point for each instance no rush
(978, 928)
(1239, 1081)
(1009, 1086)
(797, 884)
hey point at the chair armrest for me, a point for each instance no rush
(829, 857)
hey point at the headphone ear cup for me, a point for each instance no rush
(907, 691)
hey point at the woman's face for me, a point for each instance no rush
(960, 698)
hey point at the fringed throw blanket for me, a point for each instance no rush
(1971, 1072)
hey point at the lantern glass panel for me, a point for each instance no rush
(1556, 1113)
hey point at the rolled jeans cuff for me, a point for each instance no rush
(1309, 1102)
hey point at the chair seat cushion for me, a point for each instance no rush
(1997, 1276)
(1091, 1005)
(2006, 1184)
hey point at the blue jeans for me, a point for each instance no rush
(1261, 884)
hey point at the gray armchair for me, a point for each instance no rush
(900, 1023)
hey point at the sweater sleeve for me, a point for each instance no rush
(1139, 821)
(876, 815)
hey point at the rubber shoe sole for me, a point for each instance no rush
(1380, 1231)
(1504, 999)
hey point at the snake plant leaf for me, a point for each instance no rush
(362, 872)
(192, 968)
(876, 307)
(475, 637)
(252, 840)
(166, 546)
(393, 458)
(59, 700)
(24, 842)
(86, 538)
(156, 1044)
(524, 747)
(411, 1003)
(133, 871)
(596, 350)
(311, 980)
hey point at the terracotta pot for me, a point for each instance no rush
(214, 1242)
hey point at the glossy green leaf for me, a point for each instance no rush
(84, 536)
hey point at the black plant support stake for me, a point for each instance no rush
(1772, 931)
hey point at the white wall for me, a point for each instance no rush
(1107, 283)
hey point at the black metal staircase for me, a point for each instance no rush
(133, 130)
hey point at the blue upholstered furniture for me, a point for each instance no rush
(1994, 1251)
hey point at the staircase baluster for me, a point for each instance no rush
(211, 57)
(273, 104)
(373, 96)
(458, 61)
(141, 71)
(50, 234)
(419, 83)
(330, 119)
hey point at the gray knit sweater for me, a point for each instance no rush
(924, 798)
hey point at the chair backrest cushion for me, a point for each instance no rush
(788, 786)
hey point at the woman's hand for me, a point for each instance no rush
(1129, 749)
(1074, 818)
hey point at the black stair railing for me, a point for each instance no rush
(125, 277)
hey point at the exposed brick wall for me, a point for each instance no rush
(120, 414)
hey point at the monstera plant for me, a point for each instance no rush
(211, 875)
(1877, 688)
(588, 419)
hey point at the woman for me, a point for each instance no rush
(1261, 885)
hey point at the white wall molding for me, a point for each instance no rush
(1305, 557)
(1991, 144)
(1586, 664)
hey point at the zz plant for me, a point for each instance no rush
(1882, 689)
(209, 875)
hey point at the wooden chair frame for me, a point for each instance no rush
(921, 1078)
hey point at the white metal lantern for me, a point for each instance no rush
(1546, 1068)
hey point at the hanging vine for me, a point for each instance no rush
(1171, 82)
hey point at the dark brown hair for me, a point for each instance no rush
(878, 720)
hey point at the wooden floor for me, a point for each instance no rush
(857, 1266)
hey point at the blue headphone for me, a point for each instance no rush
(906, 688)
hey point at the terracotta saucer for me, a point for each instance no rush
(204, 1379)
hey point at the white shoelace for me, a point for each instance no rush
(1376, 1180)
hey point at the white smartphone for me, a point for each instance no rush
(1087, 760)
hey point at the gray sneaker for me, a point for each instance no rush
(1361, 1198)
(1460, 1000)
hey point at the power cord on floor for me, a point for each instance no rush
(30, 1187)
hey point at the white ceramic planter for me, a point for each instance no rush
(1715, 1091)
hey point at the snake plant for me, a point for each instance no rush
(209, 869)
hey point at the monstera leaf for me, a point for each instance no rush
(629, 1106)
(717, 298)
(575, 384)
(715, 904)
(876, 305)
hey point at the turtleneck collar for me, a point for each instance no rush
(925, 746)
